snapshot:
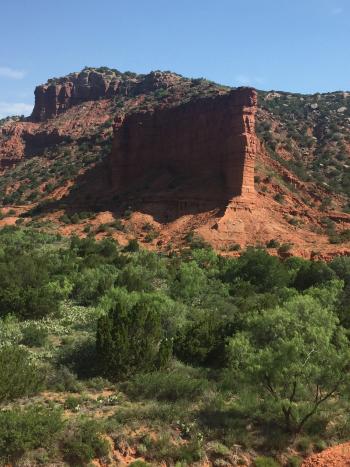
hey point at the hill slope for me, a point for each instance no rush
(56, 166)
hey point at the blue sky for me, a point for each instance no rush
(292, 45)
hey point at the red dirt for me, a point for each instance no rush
(338, 456)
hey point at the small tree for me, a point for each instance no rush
(130, 336)
(294, 358)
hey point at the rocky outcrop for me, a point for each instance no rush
(198, 153)
(21, 140)
(56, 96)
(59, 95)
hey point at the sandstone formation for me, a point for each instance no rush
(180, 156)
(195, 155)
(57, 96)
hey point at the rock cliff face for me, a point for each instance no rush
(180, 156)
(56, 96)
(202, 151)
(59, 95)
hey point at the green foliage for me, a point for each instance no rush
(129, 336)
(247, 335)
(18, 376)
(279, 198)
(132, 246)
(294, 461)
(83, 441)
(263, 461)
(34, 336)
(10, 332)
(92, 283)
(235, 247)
(202, 340)
(263, 271)
(29, 288)
(65, 219)
(313, 273)
(27, 429)
(341, 266)
(139, 463)
(294, 357)
(195, 240)
(174, 385)
(72, 403)
(273, 243)
(63, 379)
(189, 282)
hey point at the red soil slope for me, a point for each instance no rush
(338, 456)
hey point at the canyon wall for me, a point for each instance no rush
(202, 150)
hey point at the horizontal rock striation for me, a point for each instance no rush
(202, 151)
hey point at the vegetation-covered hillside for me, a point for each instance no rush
(118, 354)
(310, 135)
(302, 167)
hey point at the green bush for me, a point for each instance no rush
(79, 355)
(65, 219)
(83, 441)
(62, 379)
(190, 282)
(263, 461)
(27, 287)
(132, 246)
(304, 445)
(140, 463)
(72, 403)
(75, 219)
(130, 337)
(202, 341)
(272, 243)
(313, 273)
(279, 197)
(34, 336)
(294, 461)
(167, 385)
(27, 429)
(262, 270)
(91, 283)
(18, 375)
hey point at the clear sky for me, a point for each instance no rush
(292, 45)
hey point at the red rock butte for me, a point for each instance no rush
(193, 156)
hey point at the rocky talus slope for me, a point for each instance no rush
(165, 158)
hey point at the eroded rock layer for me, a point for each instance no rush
(56, 96)
(201, 151)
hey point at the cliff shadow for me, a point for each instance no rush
(162, 194)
